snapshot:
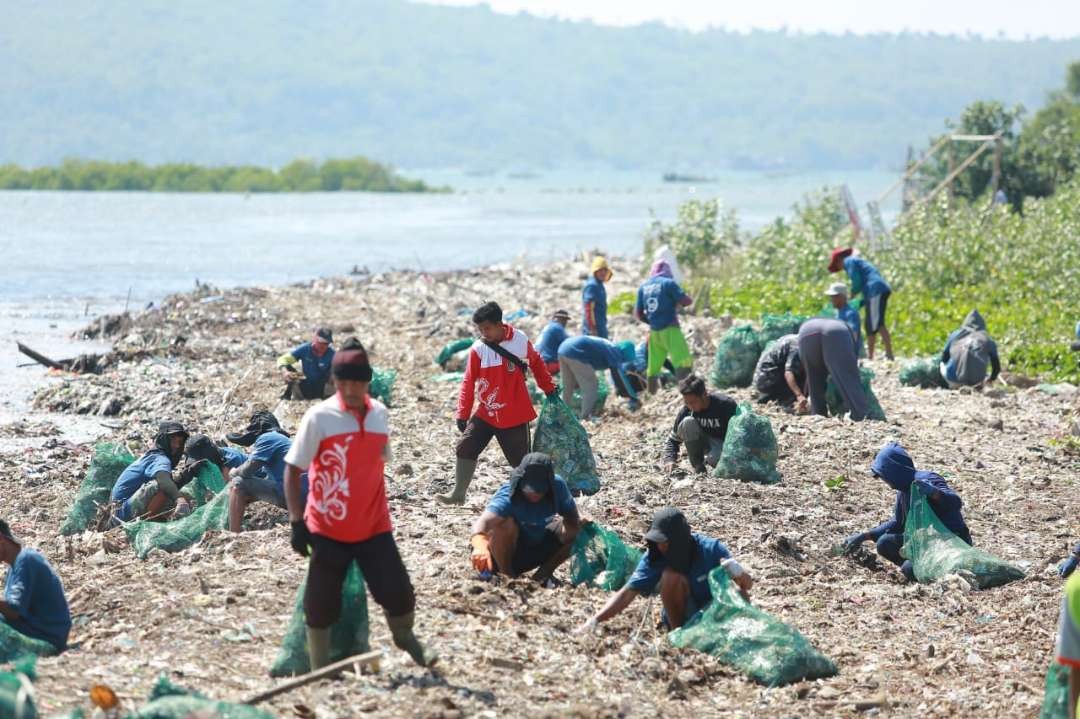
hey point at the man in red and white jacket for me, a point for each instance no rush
(495, 382)
(343, 444)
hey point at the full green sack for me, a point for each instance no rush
(560, 435)
(750, 450)
(1056, 695)
(168, 701)
(737, 354)
(17, 700)
(774, 327)
(750, 640)
(600, 559)
(452, 348)
(835, 401)
(178, 535)
(16, 646)
(934, 551)
(348, 637)
(382, 384)
(106, 466)
(924, 373)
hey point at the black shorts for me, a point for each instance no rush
(875, 312)
(384, 573)
(528, 557)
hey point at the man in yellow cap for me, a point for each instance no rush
(594, 299)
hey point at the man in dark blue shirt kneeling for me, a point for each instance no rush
(33, 603)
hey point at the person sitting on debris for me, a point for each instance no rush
(495, 378)
(146, 488)
(658, 300)
(529, 523)
(550, 338)
(315, 358)
(779, 375)
(343, 444)
(34, 604)
(679, 562)
(581, 357)
(894, 466)
(260, 478)
(837, 294)
(701, 423)
(594, 299)
(1067, 646)
(968, 352)
(200, 450)
(826, 350)
(866, 279)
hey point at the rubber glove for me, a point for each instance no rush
(481, 553)
(854, 540)
(300, 538)
(1068, 566)
(462, 424)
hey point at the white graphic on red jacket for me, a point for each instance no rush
(489, 401)
(331, 482)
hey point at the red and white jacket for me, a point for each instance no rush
(499, 386)
(344, 458)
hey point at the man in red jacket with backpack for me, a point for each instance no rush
(495, 381)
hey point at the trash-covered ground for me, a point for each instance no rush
(212, 617)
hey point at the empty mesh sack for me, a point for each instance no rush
(746, 638)
(835, 401)
(934, 551)
(749, 450)
(560, 435)
(382, 384)
(924, 373)
(1056, 695)
(15, 645)
(168, 701)
(178, 535)
(774, 327)
(600, 559)
(348, 636)
(17, 692)
(106, 466)
(452, 348)
(736, 356)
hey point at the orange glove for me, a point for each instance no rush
(481, 553)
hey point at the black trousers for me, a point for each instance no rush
(514, 441)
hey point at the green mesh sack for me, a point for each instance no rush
(180, 534)
(560, 435)
(774, 327)
(16, 646)
(749, 450)
(452, 348)
(600, 559)
(924, 373)
(1056, 695)
(835, 401)
(934, 551)
(208, 483)
(746, 638)
(348, 636)
(736, 356)
(382, 384)
(108, 463)
(17, 691)
(168, 701)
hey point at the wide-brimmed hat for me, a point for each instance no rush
(600, 263)
(836, 289)
(837, 257)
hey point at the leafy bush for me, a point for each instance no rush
(702, 235)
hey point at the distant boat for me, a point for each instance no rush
(677, 177)
(525, 175)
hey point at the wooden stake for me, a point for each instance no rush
(311, 677)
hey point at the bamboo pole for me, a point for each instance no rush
(304, 679)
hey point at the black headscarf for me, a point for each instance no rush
(200, 447)
(670, 525)
(161, 440)
(261, 423)
(537, 472)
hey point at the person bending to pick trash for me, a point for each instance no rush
(678, 561)
(594, 300)
(495, 381)
(34, 604)
(550, 338)
(580, 357)
(261, 478)
(343, 446)
(779, 375)
(315, 358)
(866, 280)
(826, 350)
(701, 424)
(893, 465)
(658, 300)
(530, 523)
(146, 488)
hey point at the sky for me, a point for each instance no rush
(989, 18)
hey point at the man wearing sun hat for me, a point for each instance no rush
(34, 604)
(594, 299)
(551, 337)
(313, 381)
(838, 295)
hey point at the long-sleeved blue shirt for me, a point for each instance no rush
(600, 354)
(550, 339)
(895, 467)
(594, 308)
(34, 591)
(865, 278)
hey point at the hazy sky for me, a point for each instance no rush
(1052, 18)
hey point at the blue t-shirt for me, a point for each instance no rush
(533, 517)
(708, 553)
(598, 353)
(270, 449)
(596, 293)
(232, 457)
(657, 299)
(550, 339)
(865, 278)
(139, 473)
(641, 357)
(316, 369)
(34, 591)
(850, 316)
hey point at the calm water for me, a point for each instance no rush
(68, 257)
